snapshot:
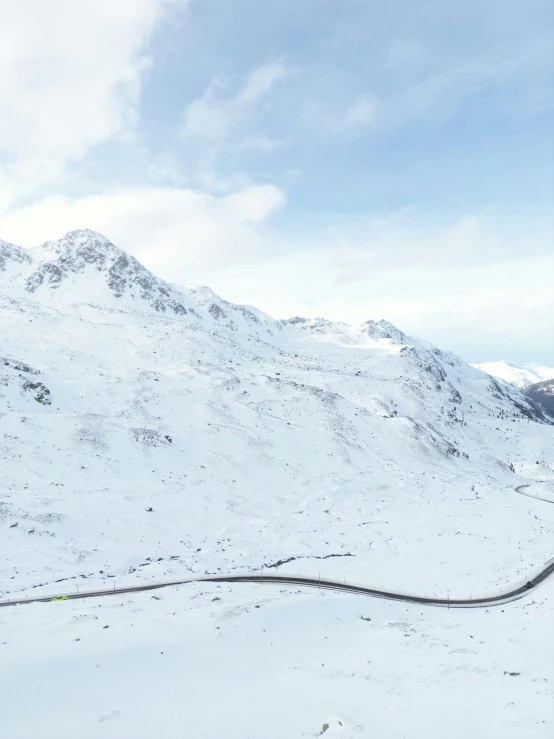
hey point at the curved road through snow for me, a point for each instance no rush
(493, 600)
(519, 490)
(506, 597)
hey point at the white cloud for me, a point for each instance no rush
(361, 113)
(70, 78)
(214, 116)
(208, 117)
(260, 82)
(260, 142)
(219, 122)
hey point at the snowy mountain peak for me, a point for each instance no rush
(71, 254)
(384, 330)
(85, 267)
(82, 238)
(315, 325)
(11, 254)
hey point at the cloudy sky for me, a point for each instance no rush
(346, 158)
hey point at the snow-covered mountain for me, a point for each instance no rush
(255, 440)
(543, 393)
(303, 445)
(519, 377)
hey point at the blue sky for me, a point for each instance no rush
(343, 158)
(458, 99)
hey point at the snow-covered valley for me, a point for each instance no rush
(353, 452)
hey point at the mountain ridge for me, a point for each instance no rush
(55, 263)
(83, 254)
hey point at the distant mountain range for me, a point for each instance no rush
(516, 375)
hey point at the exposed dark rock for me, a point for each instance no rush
(150, 437)
(542, 393)
(18, 366)
(40, 392)
(11, 253)
(217, 312)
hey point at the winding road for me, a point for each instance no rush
(510, 595)
(515, 593)
(519, 490)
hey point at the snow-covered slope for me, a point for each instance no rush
(221, 662)
(519, 377)
(353, 451)
(254, 440)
